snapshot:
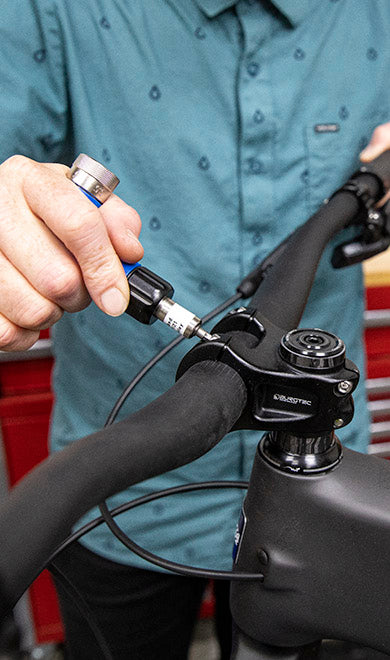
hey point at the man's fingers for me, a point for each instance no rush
(21, 303)
(82, 229)
(42, 258)
(379, 142)
(62, 249)
(123, 225)
(13, 338)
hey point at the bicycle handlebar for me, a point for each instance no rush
(175, 429)
(283, 294)
(42, 509)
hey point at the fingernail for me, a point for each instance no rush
(113, 302)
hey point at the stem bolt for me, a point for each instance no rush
(344, 386)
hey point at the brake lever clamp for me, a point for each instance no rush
(375, 237)
(300, 382)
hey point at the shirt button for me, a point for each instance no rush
(200, 33)
(299, 54)
(257, 237)
(258, 117)
(253, 68)
(305, 176)
(204, 286)
(254, 166)
(343, 112)
(372, 54)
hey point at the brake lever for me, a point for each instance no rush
(375, 237)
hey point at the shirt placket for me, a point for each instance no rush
(257, 134)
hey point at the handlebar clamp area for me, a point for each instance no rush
(299, 382)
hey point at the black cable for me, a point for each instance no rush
(182, 569)
(144, 499)
(155, 559)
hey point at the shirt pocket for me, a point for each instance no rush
(332, 153)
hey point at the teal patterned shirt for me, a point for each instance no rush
(228, 122)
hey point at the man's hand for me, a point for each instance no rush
(379, 142)
(57, 250)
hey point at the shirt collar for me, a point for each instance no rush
(214, 7)
(294, 10)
